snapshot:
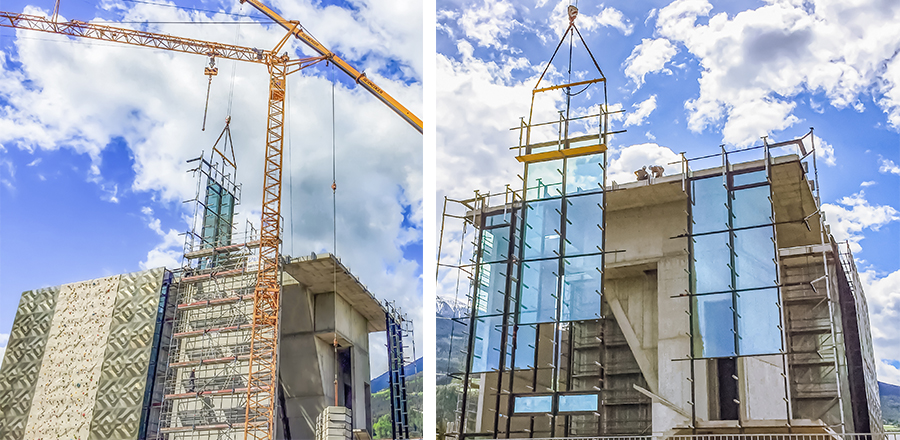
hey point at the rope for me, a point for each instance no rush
(334, 223)
(287, 114)
(237, 40)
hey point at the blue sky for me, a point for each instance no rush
(692, 75)
(94, 137)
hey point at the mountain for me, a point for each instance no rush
(381, 382)
(381, 407)
(451, 337)
(890, 403)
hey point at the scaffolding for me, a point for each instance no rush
(397, 328)
(540, 352)
(205, 386)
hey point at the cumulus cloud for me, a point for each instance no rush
(868, 183)
(643, 110)
(756, 61)
(625, 161)
(488, 23)
(887, 166)
(558, 19)
(883, 297)
(78, 95)
(650, 56)
(851, 215)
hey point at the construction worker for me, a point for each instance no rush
(191, 380)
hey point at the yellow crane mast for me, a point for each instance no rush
(262, 377)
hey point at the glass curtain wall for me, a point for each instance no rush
(735, 305)
(559, 298)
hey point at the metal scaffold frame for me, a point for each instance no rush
(789, 284)
(204, 390)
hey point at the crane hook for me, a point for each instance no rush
(210, 71)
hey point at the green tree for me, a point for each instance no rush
(382, 427)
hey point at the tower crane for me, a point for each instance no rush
(262, 379)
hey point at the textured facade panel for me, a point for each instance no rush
(22, 361)
(123, 379)
(70, 370)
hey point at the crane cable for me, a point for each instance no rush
(334, 228)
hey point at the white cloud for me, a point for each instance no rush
(79, 96)
(883, 297)
(558, 20)
(825, 151)
(629, 159)
(4, 339)
(488, 23)
(650, 56)
(34, 162)
(868, 183)
(644, 108)
(887, 166)
(755, 62)
(850, 216)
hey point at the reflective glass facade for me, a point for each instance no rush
(735, 306)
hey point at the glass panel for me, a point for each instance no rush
(542, 229)
(758, 322)
(486, 352)
(497, 218)
(537, 300)
(751, 207)
(491, 289)
(581, 288)
(544, 179)
(713, 325)
(754, 258)
(495, 245)
(584, 173)
(585, 402)
(533, 404)
(711, 259)
(749, 178)
(710, 210)
(525, 343)
(584, 215)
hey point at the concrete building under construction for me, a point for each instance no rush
(164, 353)
(709, 301)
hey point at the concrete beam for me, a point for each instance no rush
(640, 355)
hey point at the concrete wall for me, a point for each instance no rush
(82, 359)
(309, 322)
(63, 404)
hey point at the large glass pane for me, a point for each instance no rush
(713, 325)
(526, 338)
(584, 215)
(749, 178)
(544, 179)
(495, 245)
(538, 291)
(533, 404)
(751, 207)
(584, 173)
(491, 288)
(542, 229)
(581, 288)
(754, 258)
(711, 263)
(486, 352)
(758, 322)
(710, 209)
(583, 402)
(497, 218)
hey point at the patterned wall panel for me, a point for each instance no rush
(123, 379)
(22, 362)
(70, 370)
